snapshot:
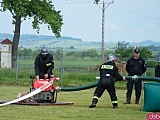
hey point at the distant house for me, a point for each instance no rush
(6, 53)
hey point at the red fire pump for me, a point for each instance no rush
(49, 95)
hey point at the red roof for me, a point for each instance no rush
(6, 41)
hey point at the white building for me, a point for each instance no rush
(6, 53)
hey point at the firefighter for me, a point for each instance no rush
(157, 68)
(43, 64)
(135, 67)
(108, 74)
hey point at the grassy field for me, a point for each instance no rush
(78, 111)
(75, 74)
(66, 63)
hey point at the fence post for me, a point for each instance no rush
(17, 70)
(61, 74)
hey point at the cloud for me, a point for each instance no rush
(114, 26)
(147, 27)
(151, 26)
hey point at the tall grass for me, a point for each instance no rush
(73, 73)
(8, 76)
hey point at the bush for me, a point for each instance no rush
(151, 64)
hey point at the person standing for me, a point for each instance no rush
(108, 74)
(43, 64)
(157, 68)
(135, 66)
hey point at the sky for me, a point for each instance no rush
(125, 20)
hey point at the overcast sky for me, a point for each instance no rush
(125, 20)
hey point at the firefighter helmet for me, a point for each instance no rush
(44, 51)
(111, 57)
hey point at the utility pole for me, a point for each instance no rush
(103, 8)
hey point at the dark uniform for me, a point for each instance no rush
(157, 71)
(108, 74)
(157, 68)
(43, 65)
(134, 66)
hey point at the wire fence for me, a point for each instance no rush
(64, 65)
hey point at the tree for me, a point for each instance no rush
(35, 53)
(124, 50)
(58, 54)
(92, 53)
(96, 1)
(146, 53)
(42, 12)
(25, 53)
(157, 55)
(72, 53)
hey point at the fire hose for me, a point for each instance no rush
(77, 88)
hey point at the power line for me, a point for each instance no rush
(121, 6)
(137, 11)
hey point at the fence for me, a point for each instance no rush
(64, 65)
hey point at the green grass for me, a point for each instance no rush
(75, 77)
(8, 76)
(78, 111)
(75, 73)
(71, 63)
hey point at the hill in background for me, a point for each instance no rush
(35, 41)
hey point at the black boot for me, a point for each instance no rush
(128, 101)
(137, 101)
(115, 105)
(94, 102)
(92, 105)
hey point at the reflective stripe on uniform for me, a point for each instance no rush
(48, 64)
(107, 67)
(95, 97)
(114, 101)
